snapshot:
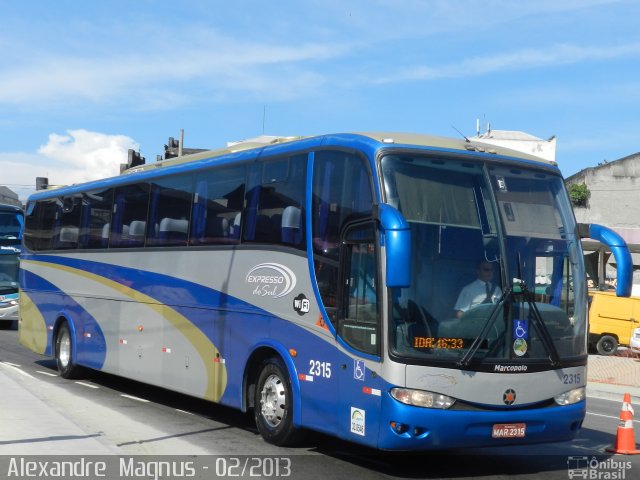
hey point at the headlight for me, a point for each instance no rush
(572, 396)
(421, 398)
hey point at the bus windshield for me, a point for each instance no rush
(11, 222)
(9, 269)
(10, 225)
(494, 258)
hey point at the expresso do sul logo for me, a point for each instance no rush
(271, 280)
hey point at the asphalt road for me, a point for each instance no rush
(132, 418)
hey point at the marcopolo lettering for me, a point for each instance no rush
(510, 368)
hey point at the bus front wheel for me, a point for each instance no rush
(273, 409)
(64, 352)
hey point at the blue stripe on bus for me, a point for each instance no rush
(166, 289)
(54, 303)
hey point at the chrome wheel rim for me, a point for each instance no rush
(272, 400)
(64, 349)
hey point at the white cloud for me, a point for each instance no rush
(518, 60)
(211, 64)
(91, 155)
(79, 156)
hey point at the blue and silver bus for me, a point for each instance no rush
(11, 226)
(316, 283)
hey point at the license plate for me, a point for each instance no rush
(508, 430)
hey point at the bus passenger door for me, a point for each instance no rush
(359, 332)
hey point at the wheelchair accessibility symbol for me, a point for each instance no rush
(358, 370)
(520, 336)
(520, 329)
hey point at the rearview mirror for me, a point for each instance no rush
(397, 243)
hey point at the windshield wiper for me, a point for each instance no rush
(475, 346)
(538, 322)
(534, 314)
(540, 326)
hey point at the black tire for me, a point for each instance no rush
(9, 325)
(273, 409)
(64, 353)
(607, 345)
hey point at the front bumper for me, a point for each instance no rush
(444, 429)
(9, 313)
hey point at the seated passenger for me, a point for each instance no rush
(481, 290)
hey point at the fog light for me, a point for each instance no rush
(399, 428)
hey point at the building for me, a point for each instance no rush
(614, 201)
(613, 198)
(8, 196)
(519, 141)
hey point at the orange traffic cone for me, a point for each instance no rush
(625, 441)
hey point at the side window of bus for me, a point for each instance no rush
(169, 211)
(358, 323)
(275, 202)
(341, 193)
(96, 218)
(67, 227)
(40, 220)
(129, 216)
(217, 206)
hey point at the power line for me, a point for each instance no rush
(612, 189)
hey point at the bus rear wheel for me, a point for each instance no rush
(64, 353)
(273, 409)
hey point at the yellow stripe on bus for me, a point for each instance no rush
(216, 371)
(33, 328)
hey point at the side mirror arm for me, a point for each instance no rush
(620, 250)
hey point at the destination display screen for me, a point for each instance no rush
(435, 342)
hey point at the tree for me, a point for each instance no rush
(579, 194)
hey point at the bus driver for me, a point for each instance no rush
(481, 290)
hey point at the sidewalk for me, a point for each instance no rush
(28, 426)
(612, 377)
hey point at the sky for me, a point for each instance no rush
(81, 81)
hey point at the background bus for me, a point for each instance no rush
(315, 282)
(11, 226)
